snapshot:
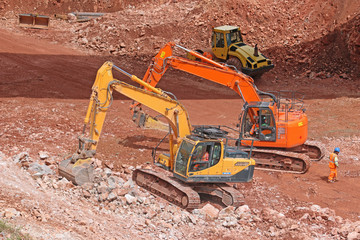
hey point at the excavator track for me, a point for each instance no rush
(171, 189)
(280, 161)
(313, 150)
(221, 191)
(185, 195)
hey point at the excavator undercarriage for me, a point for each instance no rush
(186, 195)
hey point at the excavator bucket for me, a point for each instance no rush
(80, 172)
(34, 21)
(144, 120)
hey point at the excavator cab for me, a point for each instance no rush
(202, 159)
(258, 121)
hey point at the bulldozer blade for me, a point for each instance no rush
(80, 172)
(34, 21)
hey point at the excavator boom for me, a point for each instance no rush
(100, 101)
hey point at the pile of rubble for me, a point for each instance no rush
(114, 193)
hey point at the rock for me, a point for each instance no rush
(86, 194)
(315, 208)
(357, 228)
(281, 223)
(192, 219)
(108, 172)
(130, 199)
(97, 163)
(43, 155)
(230, 222)
(209, 211)
(109, 165)
(243, 211)
(11, 213)
(83, 41)
(294, 227)
(226, 212)
(353, 236)
(326, 213)
(21, 157)
(345, 230)
(65, 184)
(37, 170)
(334, 231)
(122, 192)
(112, 196)
(71, 16)
(103, 196)
(2, 156)
(102, 188)
(111, 182)
(129, 184)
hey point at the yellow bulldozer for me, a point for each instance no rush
(227, 45)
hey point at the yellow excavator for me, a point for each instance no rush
(200, 159)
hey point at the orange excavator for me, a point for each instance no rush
(277, 123)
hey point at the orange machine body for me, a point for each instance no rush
(289, 122)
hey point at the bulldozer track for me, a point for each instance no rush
(280, 161)
(171, 189)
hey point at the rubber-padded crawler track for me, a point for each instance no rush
(171, 189)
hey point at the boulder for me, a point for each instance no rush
(243, 211)
(209, 211)
(130, 199)
(112, 196)
(21, 157)
(226, 212)
(37, 170)
(11, 213)
(43, 155)
(353, 236)
(315, 208)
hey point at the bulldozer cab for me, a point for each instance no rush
(222, 38)
(258, 122)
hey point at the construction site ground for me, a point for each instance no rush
(45, 84)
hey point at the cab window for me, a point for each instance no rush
(204, 156)
(182, 157)
(220, 40)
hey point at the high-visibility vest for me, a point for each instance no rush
(205, 157)
(333, 160)
(253, 128)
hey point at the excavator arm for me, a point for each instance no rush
(101, 100)
(206, 68)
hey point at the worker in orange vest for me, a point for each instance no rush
(255, 127)
(333, 165)
(205, 157)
